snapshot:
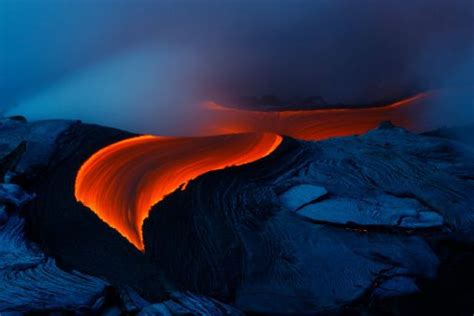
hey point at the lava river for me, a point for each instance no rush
(122, 181)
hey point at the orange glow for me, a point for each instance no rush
(122, 181)
(316, 124)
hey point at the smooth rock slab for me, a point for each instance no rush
(381, 210)
(322, 268)
(300, 195)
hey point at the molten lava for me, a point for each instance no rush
(121, 182)
(316, 124)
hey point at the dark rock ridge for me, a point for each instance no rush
(377, 224)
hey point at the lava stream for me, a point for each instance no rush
(122, 181)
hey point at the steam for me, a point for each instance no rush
(140, 90)
(145, 65)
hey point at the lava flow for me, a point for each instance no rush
(122, 181)
(320, 123)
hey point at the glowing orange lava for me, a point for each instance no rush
(316, 124)
(121, 182)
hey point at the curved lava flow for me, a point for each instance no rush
(122, 181)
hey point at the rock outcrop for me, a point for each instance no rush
(320, 226)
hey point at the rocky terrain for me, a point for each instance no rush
(378, 224)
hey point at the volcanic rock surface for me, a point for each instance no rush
(320, 226)
(379, 223)
(30, 280)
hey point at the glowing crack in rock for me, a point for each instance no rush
(122, 181)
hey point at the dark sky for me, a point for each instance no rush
(117, 62)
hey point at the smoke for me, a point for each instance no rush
(455, 105)
(144, 65)
(140, 90)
